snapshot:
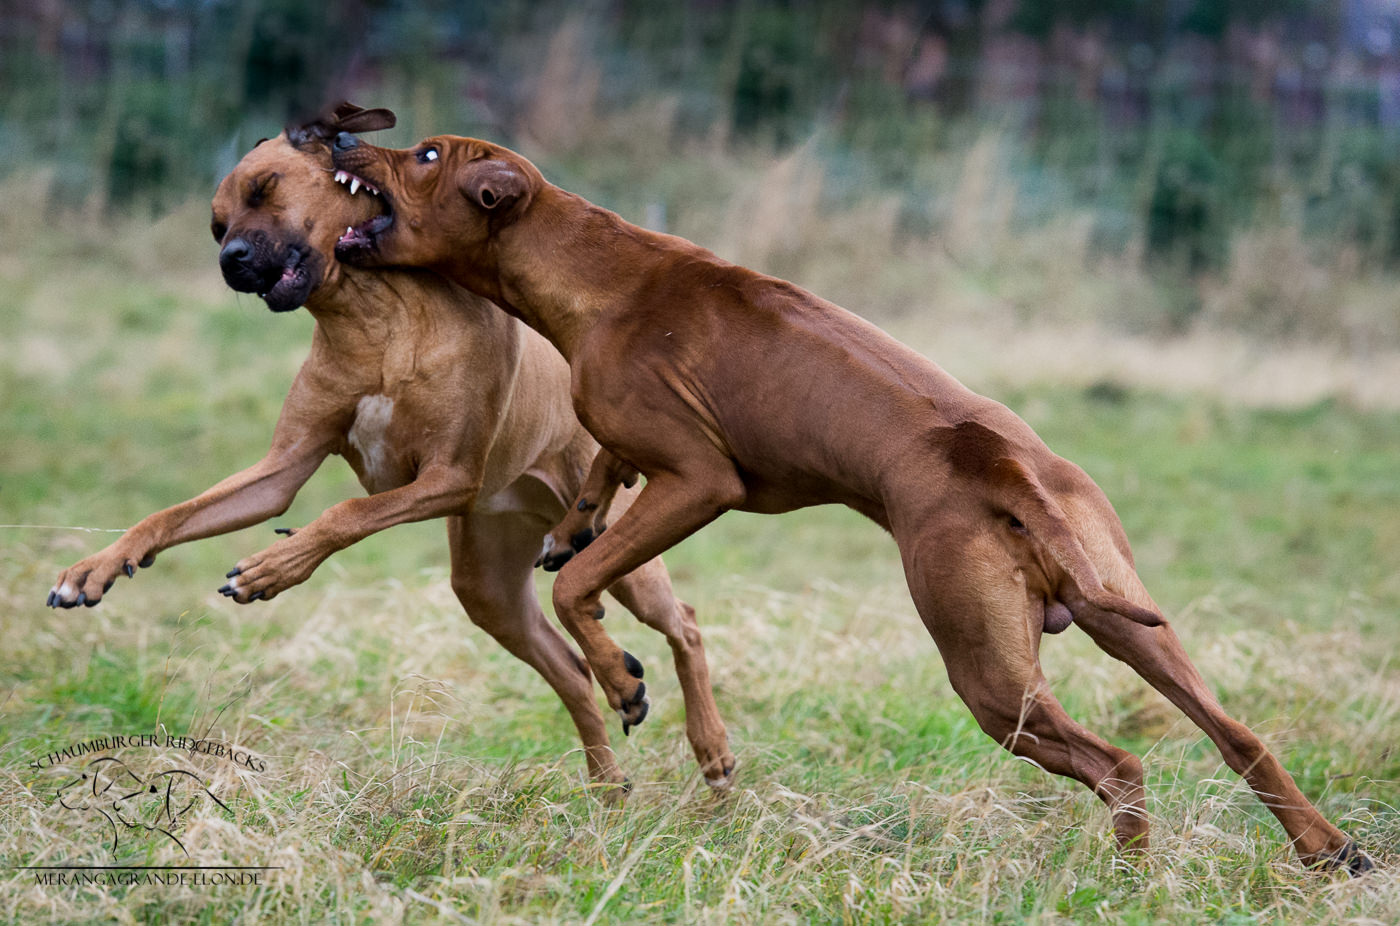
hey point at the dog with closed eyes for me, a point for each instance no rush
(442, 405)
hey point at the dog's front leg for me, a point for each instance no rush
(438, 491)
(259, 492)
(587, 517)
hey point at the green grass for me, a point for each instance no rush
(416, 773)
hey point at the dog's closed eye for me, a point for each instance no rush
(260, 187)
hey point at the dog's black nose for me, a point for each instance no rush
(344, 141)
(234, 253)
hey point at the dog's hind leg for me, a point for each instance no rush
(988, 628)
(647, 593)
(671, 506)
(492, 576)
(1156, 654)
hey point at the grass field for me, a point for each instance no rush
(416, 773)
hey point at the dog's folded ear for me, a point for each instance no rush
(493, 185)
(354, 119)
(339, 117)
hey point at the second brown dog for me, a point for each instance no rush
(730, 389)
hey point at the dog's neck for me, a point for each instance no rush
(563, 305)
(368, 309)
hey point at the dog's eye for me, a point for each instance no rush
(219, 229)
(427, 155)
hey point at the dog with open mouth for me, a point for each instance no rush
(732, 390)
(442, 405)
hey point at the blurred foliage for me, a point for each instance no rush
(1178, 123)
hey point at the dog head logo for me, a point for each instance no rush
(131, 803)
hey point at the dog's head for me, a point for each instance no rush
(444, 199)
(278, 214)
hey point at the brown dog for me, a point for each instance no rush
(444, 407)
(731, 389)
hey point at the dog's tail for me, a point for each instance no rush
(1025, 499)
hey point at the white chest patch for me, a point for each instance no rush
(368, 433)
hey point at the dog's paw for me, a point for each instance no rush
(85, 582)
(552, 555)
(1348, 858)
(719, 775)
(634, 709)
(263, 576)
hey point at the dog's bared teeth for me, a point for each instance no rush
(342, 177)
(354, 185)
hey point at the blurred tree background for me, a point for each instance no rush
(1192, 146)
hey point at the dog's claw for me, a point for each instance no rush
(553, 562)
(130, 570)
(725, 779)
(53, 596)
(1348, 858)
(257, 596)
(226, 590)
(232, 572)
(639, 704)
(284, 531)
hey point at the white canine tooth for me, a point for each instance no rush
(349, 230)
(354, 185)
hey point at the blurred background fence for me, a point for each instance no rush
(1228, 162)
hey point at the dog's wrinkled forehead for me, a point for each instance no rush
(461, 150)
(257, 175)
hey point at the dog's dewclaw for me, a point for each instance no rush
(633, 665)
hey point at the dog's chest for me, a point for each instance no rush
(370, 451)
